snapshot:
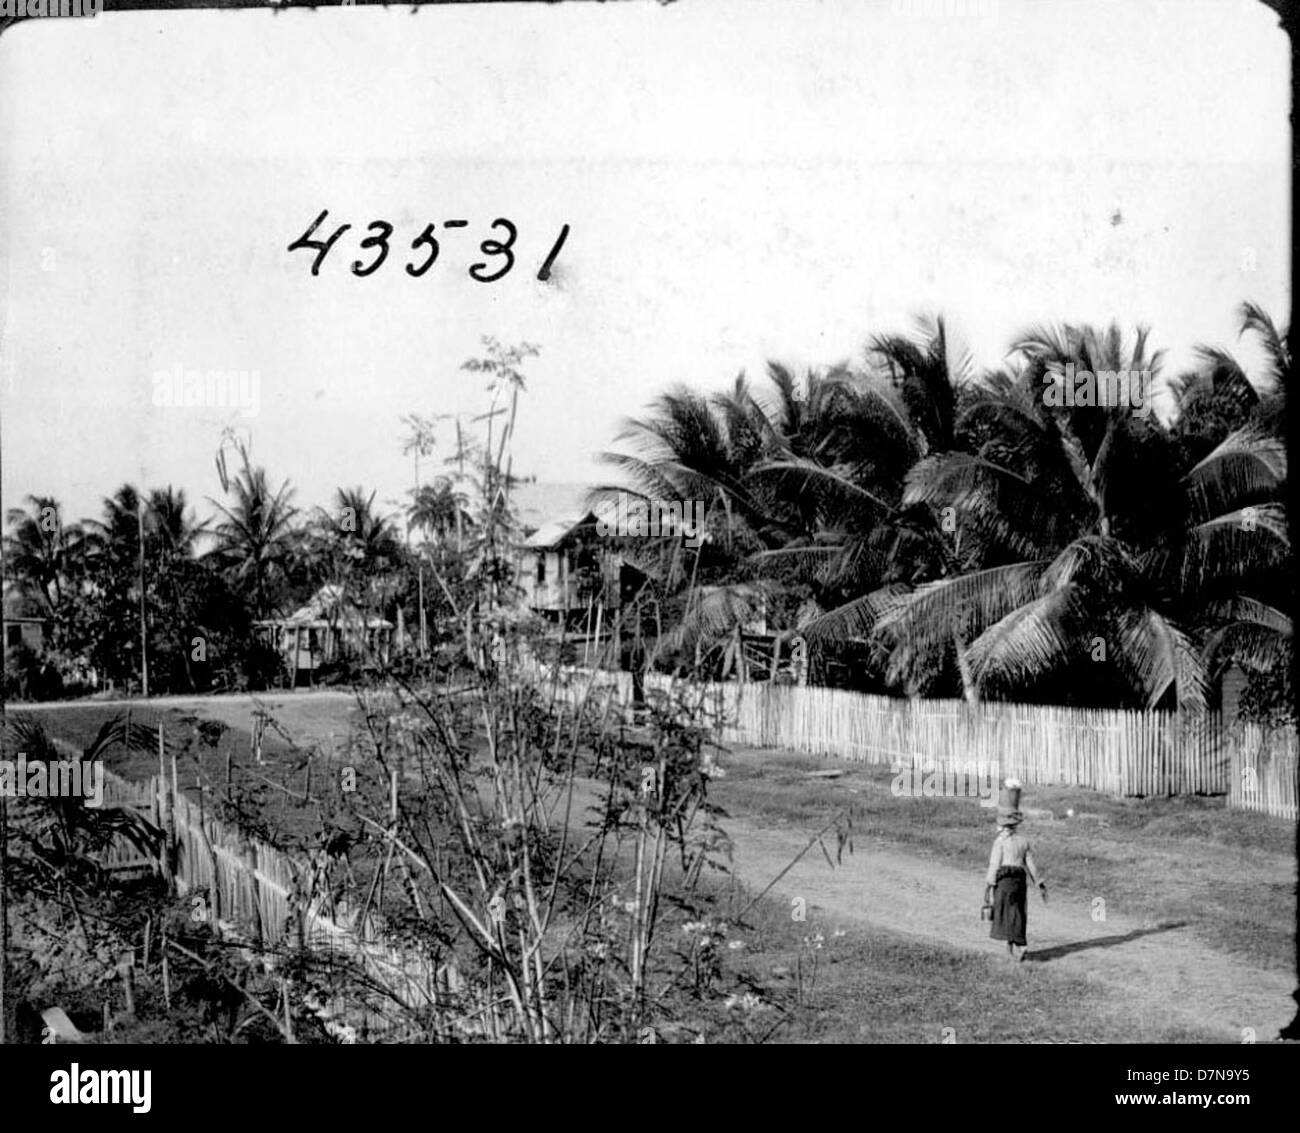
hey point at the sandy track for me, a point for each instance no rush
(1157, 969)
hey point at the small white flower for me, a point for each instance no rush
(735, 945)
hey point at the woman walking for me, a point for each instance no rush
(1010, 863)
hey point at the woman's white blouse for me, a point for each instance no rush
(1011, 850)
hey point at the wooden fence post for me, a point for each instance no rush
(175, 800)
(166, 818)
(249, 857)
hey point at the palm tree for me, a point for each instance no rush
(116, 611)
(420, 440)
(170, 524)
(178, 582)
(43, 554)
(357, 548)
(700, 450)
(870, 427)
(1212, 402)
(360, 532)
(1277, 350)
(256, 538)
(805, 484)
(1219, 396)
(74, 831)
(1077, 536)
(439, 510)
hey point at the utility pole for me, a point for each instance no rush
(419, 442)
(424, 637)
(4, 841)
(144, 633)
(460, 477)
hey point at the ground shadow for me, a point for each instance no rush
(1043, 955)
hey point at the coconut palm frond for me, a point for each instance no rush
(1244, 609)
(646, 479)
(1220, 371)
(809, 472)
(1159, 658)
(926, 371)
(1260, 644)
(993, 507)
(953, 477)
(1248, 462)
(110, 824)
(80, 829)
(1103, 563)
(1236, 545)
(1032, 640)
(1276, 343)
(930, 615)
(852, 621)
(1055, 341)
(32, 740)
(1008, 403)
(117, 732)
(714, 613)
(812, 562)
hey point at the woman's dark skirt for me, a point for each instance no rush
(1010, 895)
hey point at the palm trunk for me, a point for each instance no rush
(424, 647)
(968, 686)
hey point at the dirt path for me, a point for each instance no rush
(1149, 968)
(1156, 969)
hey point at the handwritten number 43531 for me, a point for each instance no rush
(499, 254)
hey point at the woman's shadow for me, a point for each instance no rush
(1043, 955)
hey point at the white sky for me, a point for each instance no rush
(744, 180)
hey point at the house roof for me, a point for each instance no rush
(19, 607)
(326, 608)
(555, 531)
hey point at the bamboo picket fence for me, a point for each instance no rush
(1116, 751)
(1264, 776)
(260, 896)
